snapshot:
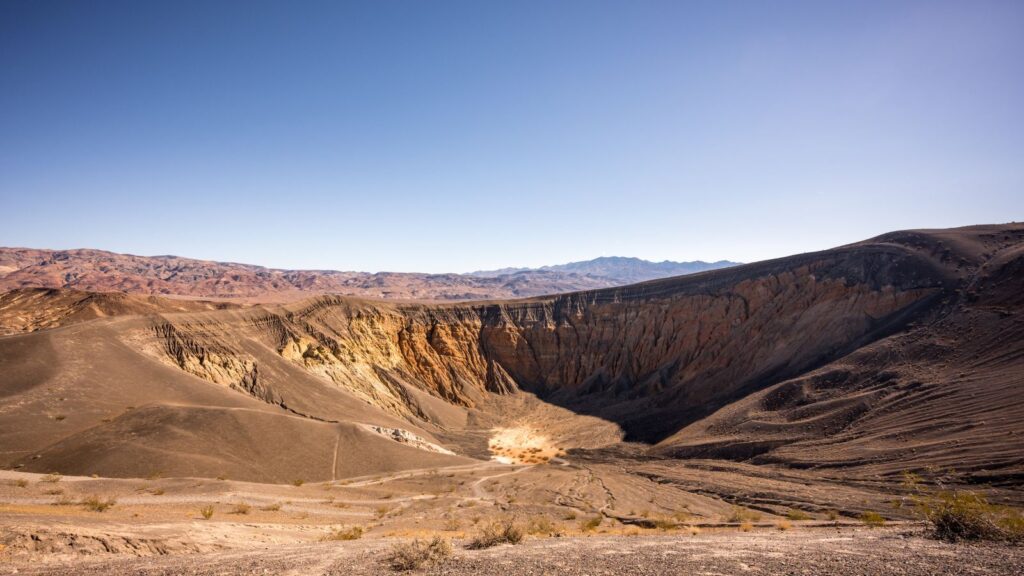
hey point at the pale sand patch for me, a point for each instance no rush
(521, 445)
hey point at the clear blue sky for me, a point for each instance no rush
(453, 136)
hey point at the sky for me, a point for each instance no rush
(457, 136)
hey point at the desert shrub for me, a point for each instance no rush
(452, 525)
(241, 508)
(51, 478)
(417, 554)
(956, 515)
(206, 512)
(271, 507)
(540, 525)
(381, 511)
(964, 515)
(158, 492)
(97, 504)
(353, 533)
(298, 482)
(872, 519)
(833, 515)
(53, 491)
(795, 515)
(21, 483)
(746, 526)
(662, 523)
(590, 524)
(740, 514)
(498, 532)
(783, 525)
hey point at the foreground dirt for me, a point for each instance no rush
(811, 551)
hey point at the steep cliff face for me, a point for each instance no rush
(652, 357)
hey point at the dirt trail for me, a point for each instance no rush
(478, 487)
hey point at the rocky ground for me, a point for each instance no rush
(807, 551)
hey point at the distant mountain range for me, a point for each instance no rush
(618, 269)
(101, 271)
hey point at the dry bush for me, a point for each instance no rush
(353, 533)
(206, 512)
(590, 524)
(498, 532)
(872, 519)
(21, 483)
(741, 514)
(796, 515)
(298, 482)
(662, 523)
(53, 491)
(158, 492)
(97, 504)
(746, 526)
(271, 507)
(452, 525)
(956, 515)
(963, 515)
(417, 554)
(540, 526)
(51, 478)
(241, 508)
(783, 525)
(381, 511)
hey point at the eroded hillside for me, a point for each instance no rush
(777, 362)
